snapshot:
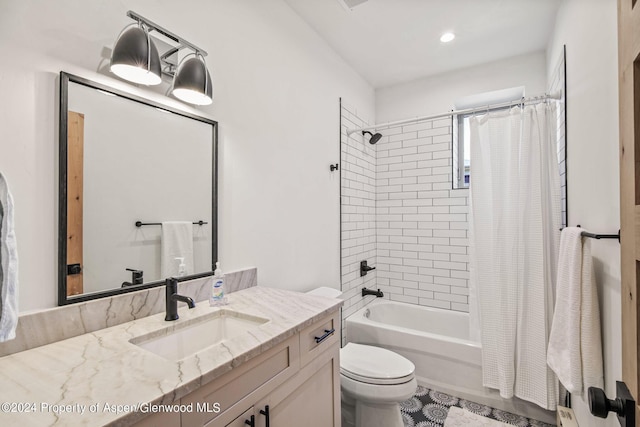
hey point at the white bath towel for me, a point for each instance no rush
(575, 343)
(177, 242)
(8, 266)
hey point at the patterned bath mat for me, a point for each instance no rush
(430, 408)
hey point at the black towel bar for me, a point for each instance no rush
(140, 223)
(599, 236)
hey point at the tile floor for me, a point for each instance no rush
(429, 408)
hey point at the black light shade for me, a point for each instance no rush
(192, 82)
(135, 57)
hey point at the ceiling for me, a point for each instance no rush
(394, 41)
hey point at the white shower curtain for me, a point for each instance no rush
(514, 238)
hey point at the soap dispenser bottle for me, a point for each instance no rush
(217, 290)
(182, 267)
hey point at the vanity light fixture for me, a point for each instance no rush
(135, 58)
(192, 81)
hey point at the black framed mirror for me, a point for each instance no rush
(128, 165)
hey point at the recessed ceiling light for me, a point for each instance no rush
(447, 37)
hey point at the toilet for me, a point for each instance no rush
(373, 381)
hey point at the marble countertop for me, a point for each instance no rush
(97, 379)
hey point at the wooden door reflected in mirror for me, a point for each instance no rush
(75, 156)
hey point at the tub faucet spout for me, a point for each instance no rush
(377, 293)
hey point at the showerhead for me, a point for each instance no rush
(374, 137)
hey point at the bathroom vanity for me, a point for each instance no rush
(274, 361)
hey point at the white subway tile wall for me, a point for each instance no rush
(399, 213)
(358, 211)
(421, 222)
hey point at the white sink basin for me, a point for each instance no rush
(188, 338)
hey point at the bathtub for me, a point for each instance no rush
(437, 342)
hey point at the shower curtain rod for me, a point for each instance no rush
(533, 99)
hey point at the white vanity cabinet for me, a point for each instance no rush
(297, 383)
(276, 363)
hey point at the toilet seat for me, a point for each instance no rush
(374, 365)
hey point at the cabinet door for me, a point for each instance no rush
(310, 399)
(243, 420)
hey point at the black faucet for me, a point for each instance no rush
(171, 288)
(136, 278)
(364, 268)
(377, 293)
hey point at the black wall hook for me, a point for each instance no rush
(333, 167)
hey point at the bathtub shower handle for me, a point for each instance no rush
(327, 334)
(364, 268)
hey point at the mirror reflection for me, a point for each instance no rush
(139, 182)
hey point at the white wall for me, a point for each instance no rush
(277, 86)
(589, 29)
(436, 94)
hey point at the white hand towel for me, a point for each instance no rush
(177, 242)
(8, 266)
(575, 343)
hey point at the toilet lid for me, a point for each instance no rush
(374, 365)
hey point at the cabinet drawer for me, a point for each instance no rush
(251, 380)
(318, 337)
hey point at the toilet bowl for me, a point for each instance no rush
(373, 382)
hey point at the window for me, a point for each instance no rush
(462, 161)
(461, 129)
